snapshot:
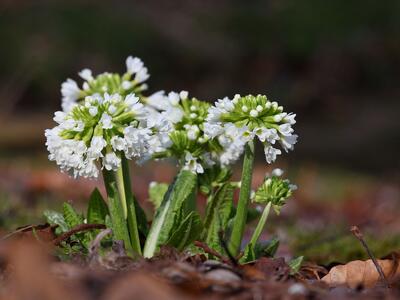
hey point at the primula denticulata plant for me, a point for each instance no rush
(109, 121)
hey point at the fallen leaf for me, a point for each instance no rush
(356, 273)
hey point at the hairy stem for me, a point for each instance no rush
(239, 221)
(130, 205)
(261, 223)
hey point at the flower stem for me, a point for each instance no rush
(120, 230)
(239, 221)
(119, 176)
(261, 223)
(131, 211)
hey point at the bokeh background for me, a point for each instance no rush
(334, 63)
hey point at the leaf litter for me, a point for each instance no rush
(29, 270)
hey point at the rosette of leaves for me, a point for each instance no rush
(69, 218)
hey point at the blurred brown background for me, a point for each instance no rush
(334, 63)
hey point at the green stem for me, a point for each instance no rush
(239, 221)
(120, 230)
(260, 226)
(130, 205)
(119, 176)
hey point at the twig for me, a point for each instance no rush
(208, 250)
(25, 229)
(357, 233)
(95, 244)
(81, 227)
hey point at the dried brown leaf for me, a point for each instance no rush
(356, 273)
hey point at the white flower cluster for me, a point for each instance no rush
(98, 131)
(130, 82)
(237, 121)
(187, 116)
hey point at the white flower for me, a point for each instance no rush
(70, 94)
(192, 131)
(106, 120)
(118, 143)
(192, 165)
(290, 118)
(271, 153)
(267, 135)
(79, 126)
(126, 85)
(93, 110)
(59, 116)
(285, 129)
(135, 106)
(142, 75)
(158, 100)
(86, 74)
(68, 124)
(111, 162)
(133, 64)
(137, 141)
(97, 145)
(277, 172)
(173, 98)
(174, 114)
(288, 142)
(212, 130)
(112, 109)
(254, 113)
(183, 95)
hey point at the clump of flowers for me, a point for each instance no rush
(237, 121)
(187, 140)
(132, 81)
(108, 122)
(97, 132)
(243, 119)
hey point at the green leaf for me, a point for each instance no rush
(252, 253)
(157, 192)
(97, 209)
(295, 264)
(72, 218)
(213, 177)
(249, 254)
(119, 224)
(267, 249)
(141, 218)
(218, 213)
(176, 204)
(188, 231)
(56, 218)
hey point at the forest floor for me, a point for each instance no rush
(315, 224)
